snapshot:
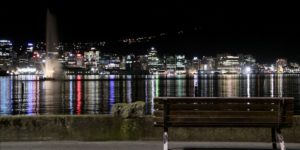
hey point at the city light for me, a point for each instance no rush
(248, 70)
(26, 70)
(205, 67)
(88, 56)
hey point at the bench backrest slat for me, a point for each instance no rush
(220, 111)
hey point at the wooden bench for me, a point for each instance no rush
(260, 112)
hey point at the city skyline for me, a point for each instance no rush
(266, 31)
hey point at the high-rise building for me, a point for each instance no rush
(207, 65)
(6, 50)
(196, 63)
(193, 65)
(91, 58)
(180, 64)
(228, 63)
(153, 60)
(248, 64)
(29, 47)
(171, 64)
(129, 62)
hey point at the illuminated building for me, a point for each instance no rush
(180, 64)
(294, 68)
(207, 65)
(196, 63)
(29, 47)
(153, 61)
(79, 59)
(281, 65)
(91, 58)
(171, 64)
(129, 61)
(104, 61)
(142, 61)
(248, 64)
(114, 62)
(5, 54)
(109, 62)
(228, 64)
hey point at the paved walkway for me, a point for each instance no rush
(137, 145)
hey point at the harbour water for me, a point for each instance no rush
(94, 94)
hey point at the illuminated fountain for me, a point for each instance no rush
(52, 68)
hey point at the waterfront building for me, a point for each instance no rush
(281, 65)
(104, 61)
(180, 64)
(293, 68)
(207, 65)
(122, 62)
(109, 62)
(91, 58)
(195, 63)
(29, 47)
(6, 51)
(114, 62)
(153, 60)
(248, 64)
(171, 64)
(228, 64)
(129, 62)
(143, 61)
(79, 59)
(267, 68)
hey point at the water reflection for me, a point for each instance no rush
(78, 95)
(96, 94)
(248, 85)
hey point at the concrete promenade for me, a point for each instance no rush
(138, 145)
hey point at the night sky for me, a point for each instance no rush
(266, 30)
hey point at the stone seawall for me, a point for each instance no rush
(106, 127)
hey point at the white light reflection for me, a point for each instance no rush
(248, 85)
(146, 94)
(129, 92)
(157, 87)
(30, 96)
(272, 85)
(152, 95)
(71, 97)
(229, 86)
(195, 85)
(280, 90)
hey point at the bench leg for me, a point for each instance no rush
(280, 140)
(165, 140)
(274, 141)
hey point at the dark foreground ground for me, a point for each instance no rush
(138, 145)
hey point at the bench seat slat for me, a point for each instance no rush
(223, 119)
(220, 107)
(202, 124)
(222, 99)
(218, 113)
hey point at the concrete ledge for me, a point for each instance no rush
(106, 127)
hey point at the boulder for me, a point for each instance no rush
(137, 109)
(121, 110)
(132, 110)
